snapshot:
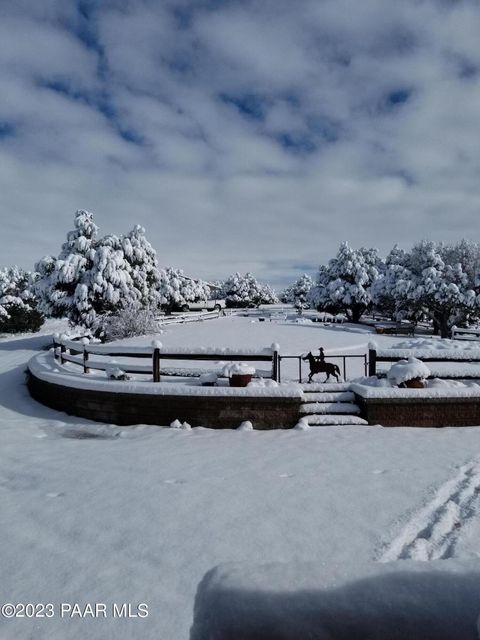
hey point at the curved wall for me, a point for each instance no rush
(136, 408)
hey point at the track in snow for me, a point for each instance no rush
(433, 532)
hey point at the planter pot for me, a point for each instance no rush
(414, 383)
(240, 379)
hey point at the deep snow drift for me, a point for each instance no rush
(94, 513)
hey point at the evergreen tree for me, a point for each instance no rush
(18, 308)
(144, 272)
(298, 293)
(245, 291)
(61, 288)
(95, 277)
(176, 289)
(344, 284)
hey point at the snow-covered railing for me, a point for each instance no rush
(465, 334)
(440, 356)
(80, 351)
(189, 317)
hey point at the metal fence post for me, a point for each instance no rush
(85, 360)
(372, 362)
(156, 364)
(275, 366)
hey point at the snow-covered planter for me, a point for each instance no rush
(410, 373)
(240, 375)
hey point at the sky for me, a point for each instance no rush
(242, 134)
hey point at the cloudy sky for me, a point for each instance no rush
(243, 134)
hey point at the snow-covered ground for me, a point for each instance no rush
(93, 513)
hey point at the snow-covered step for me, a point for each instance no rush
(329, 407)
(334, 396)
(325, 387)
(326, 419)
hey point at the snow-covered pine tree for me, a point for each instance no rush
(443, 288)
(385, 295)
(18, 307)
(286, 295)
(344, 284)
(267, 295)
(61, 289)
(245, 291)
(177, 290)
(144, 271)
(93, 278)
(108, 286)
(299, 292)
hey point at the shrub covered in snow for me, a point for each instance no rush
(129, 322)
(18, 307)
(405, 370)
(245, 291)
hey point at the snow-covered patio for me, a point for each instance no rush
(95, 513)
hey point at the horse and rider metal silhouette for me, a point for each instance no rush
(318, 365)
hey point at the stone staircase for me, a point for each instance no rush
(329, 404)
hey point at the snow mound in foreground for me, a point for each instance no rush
(396, 600)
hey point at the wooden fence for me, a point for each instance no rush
(465, 334)
(79, 352)
(461, 356)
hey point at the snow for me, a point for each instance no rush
(245, 426)
(435, 391)
(208, 378)
(98, 513)
(440, 354)
(405, 370)
(326, 601)
(239, 368)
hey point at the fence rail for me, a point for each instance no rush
(465, 334)
(189, 317)
(450, 357)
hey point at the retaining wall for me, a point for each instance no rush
(420, 412)
(207, 411)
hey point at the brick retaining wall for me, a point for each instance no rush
(420, 412)
(207, 411)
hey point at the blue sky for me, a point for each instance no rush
(243, 134)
